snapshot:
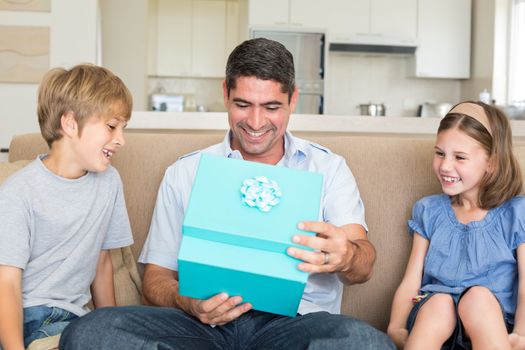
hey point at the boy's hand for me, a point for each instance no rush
(399, 337)
(517, 342)
(218, 310)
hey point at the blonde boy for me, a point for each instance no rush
(62, 213)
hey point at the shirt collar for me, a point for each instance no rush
(294, 149)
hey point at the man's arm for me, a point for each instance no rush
(345, 250)
(161, 287)
(11, 323)
(102, 288)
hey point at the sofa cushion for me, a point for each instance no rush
(7, 169)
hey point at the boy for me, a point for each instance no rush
(62, 213)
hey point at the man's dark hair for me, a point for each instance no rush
(264, 59)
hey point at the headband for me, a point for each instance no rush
(474, 111)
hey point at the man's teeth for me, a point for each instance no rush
(107, 153)
(256, 134)
(451, 179)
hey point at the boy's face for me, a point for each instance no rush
(100, 139)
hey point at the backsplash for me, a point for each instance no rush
(356, 79)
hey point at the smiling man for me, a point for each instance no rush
(260, 95)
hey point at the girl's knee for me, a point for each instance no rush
(475, 298)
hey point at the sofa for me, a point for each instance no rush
(392, 172)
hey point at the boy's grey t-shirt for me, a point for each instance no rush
(54, 229)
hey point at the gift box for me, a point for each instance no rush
(240, 220)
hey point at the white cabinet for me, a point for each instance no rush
(288, 13)
(194, 37)
(444, 39)
(372, 21)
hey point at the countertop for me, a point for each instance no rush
(301, 122)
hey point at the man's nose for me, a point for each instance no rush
(256, 120)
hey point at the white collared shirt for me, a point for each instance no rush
(340, 205)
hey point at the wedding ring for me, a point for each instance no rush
(326, 258)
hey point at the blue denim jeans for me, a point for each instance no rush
(144, 327)
(44, 321)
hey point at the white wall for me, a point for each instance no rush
(73, 34)
(355, 79)
(125, 44)
(482, 50)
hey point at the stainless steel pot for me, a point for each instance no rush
(373, 109)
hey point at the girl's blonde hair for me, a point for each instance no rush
(504, 181)
(85, 90)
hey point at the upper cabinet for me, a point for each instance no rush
(287, 13)
(194, 37)
(444, 39)
(372, 21)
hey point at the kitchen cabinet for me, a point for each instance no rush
(288, 13)
(372, 21)
(194, 37)
(444, 39)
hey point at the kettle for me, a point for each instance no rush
(373, 109)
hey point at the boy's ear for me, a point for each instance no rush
(69, 125)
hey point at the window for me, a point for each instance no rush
(516, 73)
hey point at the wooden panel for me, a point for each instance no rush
(26, 5)
(24, 53)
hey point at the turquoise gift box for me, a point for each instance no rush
(229, 246)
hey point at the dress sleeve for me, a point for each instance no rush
(419, 221)
(516, 221)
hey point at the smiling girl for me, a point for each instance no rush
(462, 287)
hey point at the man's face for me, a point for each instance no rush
(258, 114)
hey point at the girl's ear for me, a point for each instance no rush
(68, 124)
(491, 165)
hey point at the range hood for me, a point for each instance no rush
(369, 43)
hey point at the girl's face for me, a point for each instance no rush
(460, 162)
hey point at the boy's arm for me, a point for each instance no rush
(517, 337)
(102, 288)
(11, 323)
(409, 287)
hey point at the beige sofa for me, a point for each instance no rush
(392, 172)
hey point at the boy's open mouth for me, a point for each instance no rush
(107, 153)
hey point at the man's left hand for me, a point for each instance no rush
(333, 250)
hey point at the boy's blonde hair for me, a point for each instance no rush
(85, 90)
(505, 181)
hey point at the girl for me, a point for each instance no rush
(461, 288)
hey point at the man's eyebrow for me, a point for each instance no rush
(273, 103)
(237, 99)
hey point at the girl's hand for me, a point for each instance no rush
(517, 342)
(399, 337)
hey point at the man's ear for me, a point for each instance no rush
(293, 100)
(225, 93)
(69, 124)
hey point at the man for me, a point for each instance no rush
(259, 94)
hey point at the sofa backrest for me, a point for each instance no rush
(391, 172)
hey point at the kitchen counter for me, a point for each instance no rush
(424, 127)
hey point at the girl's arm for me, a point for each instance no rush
(517, 338)
(11, 317)
(102, 288)
(409, 287)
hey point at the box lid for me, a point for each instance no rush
(216, 211)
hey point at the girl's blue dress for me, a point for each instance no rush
(480, 253)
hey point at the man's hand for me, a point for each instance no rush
(333, 251)
(345, 250)
(517, 342)
(399, 337)
(218, 310)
